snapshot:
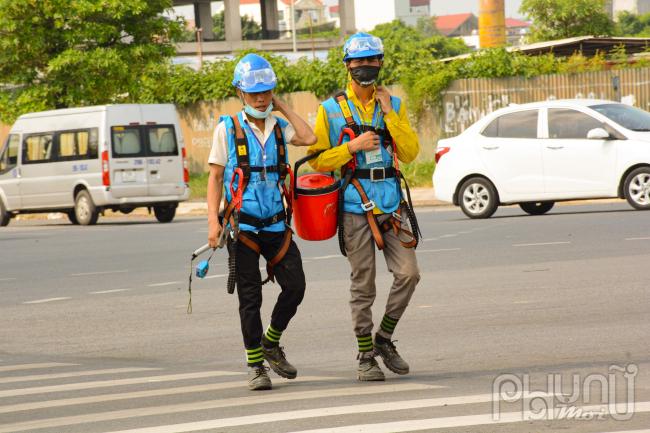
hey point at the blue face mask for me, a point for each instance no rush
(257, 113)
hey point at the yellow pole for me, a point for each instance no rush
(492, 23)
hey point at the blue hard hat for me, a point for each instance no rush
(361, 45)
(254, 74)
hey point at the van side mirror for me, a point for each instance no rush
(598, 134)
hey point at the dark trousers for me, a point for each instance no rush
(288, 274)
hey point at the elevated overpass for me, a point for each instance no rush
(270, 29)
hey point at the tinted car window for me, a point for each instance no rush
(37, 148)
(629, 117)
(126, 141)
(522, 124)
(162, 140)
(566, 123)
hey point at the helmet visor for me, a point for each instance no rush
(359, 45)
(262, 76)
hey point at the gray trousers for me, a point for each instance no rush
(402, 263)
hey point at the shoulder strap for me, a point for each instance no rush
(241, 147)
(282, 151)
(342, 99)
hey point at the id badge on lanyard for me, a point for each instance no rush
(373, 156)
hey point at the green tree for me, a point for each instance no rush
(249, 28)
(559, 19)
(630, 24)
(60, 53)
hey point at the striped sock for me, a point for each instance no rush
(254, 356)
(388, 325)
(272, 335)
(365, 343)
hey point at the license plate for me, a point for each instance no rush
(128, 176)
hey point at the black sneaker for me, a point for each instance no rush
(388, 352)
(258, 378)
(368, 370)
(278, 362)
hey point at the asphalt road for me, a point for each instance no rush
(94, 334)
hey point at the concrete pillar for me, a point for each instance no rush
(270, 22)
(203, 19)
(346, 15)
(232, 20)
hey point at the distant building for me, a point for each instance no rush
(614, 7)
(307, 12)
(465, 26)
(457, 24)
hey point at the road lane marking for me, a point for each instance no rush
(318, 413)
(101, 292)
(117, 382)
(429, 239)
(447, 422)
(331, 256)
(73, 374)
(638, 239)
(215, 276)
(212, 404)
(83, 274)
(237, 401)
(7, 279)
(448, 236)
(541, 244)
(168, 283)
(631, 431)
(442, 250)
(18, 367)
(42, 301)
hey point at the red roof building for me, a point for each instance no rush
(457, 24)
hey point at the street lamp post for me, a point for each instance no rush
(293, 25)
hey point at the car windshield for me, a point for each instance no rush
(626, 116)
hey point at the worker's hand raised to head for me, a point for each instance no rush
(366, 141)
(382, 95)
(214, 230)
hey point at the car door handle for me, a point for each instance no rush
(555, 147)
(154, 172)
(490, 147)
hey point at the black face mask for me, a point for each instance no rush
(365, 75)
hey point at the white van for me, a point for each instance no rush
(82, 161)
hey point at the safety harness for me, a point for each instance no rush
(232, 210)
(351, 175)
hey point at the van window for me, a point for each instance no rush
(9, 156)
(162, 140)
(126, 141)
(75, 145)
(37, 148)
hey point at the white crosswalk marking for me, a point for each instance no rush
(320, 402)
(4, 368)
(118, 382)
(73, 374)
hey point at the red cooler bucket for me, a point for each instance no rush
(315, 201)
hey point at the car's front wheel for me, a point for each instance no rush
(478, 198)
(537, 207)
(5, 216)
(165, 213)
(637, 188)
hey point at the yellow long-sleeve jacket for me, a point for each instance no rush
(406, 140)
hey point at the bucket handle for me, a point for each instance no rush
(297, 166)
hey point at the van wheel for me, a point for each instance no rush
(72, 216)
(537, 207)
(637, 188)
(165, 213)
(5, 216)
(85, 210)
(478, 198)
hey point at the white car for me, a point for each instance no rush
(539, 153)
